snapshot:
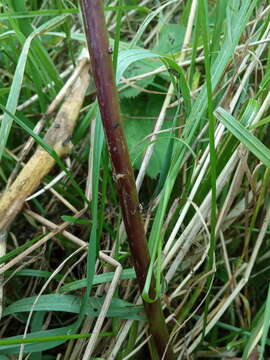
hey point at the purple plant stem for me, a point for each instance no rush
(103, 74)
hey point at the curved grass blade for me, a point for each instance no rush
(98, 279)
(147, 21)
(244, 136)
(72, 304)
(16, 85)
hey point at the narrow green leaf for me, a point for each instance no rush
(98, 279)
(47, 148)
(147, 21)
(11, 254)
(42, 340)
(74, 220)
(266, 325)
(244, 136)
(16, 85)
(93, 246)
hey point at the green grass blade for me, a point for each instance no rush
(47, 148)
(98, 279)
(39, 341)
(266, 325)
(72, 304)
(198, 109)
(93, 246)
(34, 13)
(117, 34)
(11, 254)
(147, 21)
(203, 15)
(16, 85)
(244, 136)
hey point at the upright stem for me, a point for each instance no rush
(103, 74)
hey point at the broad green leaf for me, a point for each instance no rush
(136, 130)
(71, 304)
(127, 57)
(170, 39)
(138, 68)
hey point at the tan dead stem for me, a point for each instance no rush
(41, 162)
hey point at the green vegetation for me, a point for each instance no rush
(193, 81)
